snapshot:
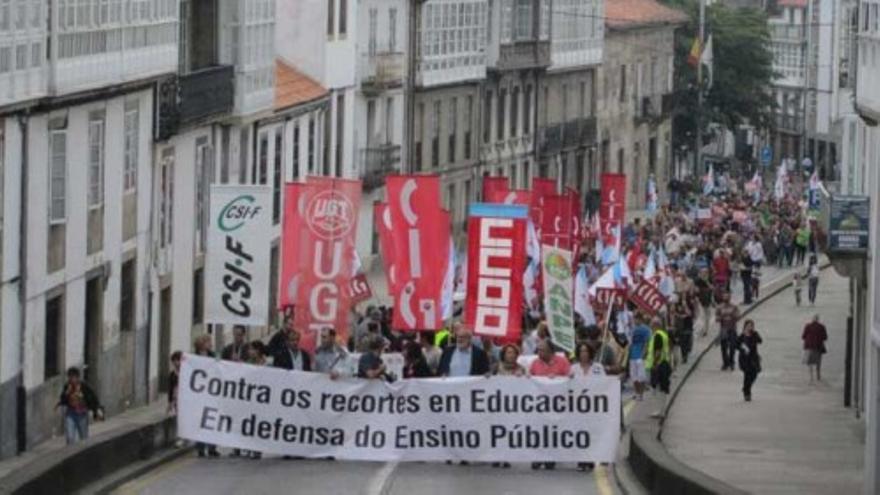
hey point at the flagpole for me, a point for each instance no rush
(698, 150)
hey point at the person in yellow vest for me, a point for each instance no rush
(657, 360)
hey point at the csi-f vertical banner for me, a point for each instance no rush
(496, 261)
(612, 205)
(420, 243)
(558, 298)
(237, 264)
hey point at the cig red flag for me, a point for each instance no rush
(558, 221)
(509, 197)
(541, 188)
(420, 239)
(329, 208)
(612, 206)
(496, 261)
(494, 188)
(291, 265)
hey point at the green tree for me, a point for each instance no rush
(742, 72)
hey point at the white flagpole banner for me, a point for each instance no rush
(497, 419)
(237, 264)
(558, 299)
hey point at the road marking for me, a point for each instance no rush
(602, 483)
(137, 486)
(381, 482)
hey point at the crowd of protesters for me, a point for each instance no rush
(699, 262)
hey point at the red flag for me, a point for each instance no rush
(612, 206)
(494, 187)
(496, 262)
(509, 197)
(359, 289)
(290, 259)
(420, 240)
(328, 211)
(559, 221)
(543, 185)
(382, 219)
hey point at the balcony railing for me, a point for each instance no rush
(550, 139)
(788, 32)
(579, 132)
(377, 162)
(653, 108)
(524, 55)
(789, 123)
(206, 93)
(381, 71)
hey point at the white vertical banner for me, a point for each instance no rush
(237, 264)
(558, 300)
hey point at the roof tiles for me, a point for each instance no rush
(622, 14)
(292, 87)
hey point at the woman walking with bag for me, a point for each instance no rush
(749, 359)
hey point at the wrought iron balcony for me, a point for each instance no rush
(381, 71)
(793, 124)
(377, 162)
(550, 139)
(192, 98)
(532, 54)
(579, 132)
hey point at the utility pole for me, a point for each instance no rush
(698, 148)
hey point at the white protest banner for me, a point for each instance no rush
(497, 419)
(237, 264)
(558, 298)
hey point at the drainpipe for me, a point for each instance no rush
(21, 405)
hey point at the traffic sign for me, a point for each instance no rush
(766, 155)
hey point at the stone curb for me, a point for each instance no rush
(659, 471)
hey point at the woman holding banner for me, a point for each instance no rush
(508, 365)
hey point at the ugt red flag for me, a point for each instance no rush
(324, 245)
(496, 262)
(420, 240)
(612, 205)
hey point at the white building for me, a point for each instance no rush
(76, 129)
(864, 179)
(788, 35)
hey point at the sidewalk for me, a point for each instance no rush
(794, 437)
(152, 413)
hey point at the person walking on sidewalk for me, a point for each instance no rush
(814, 337)
(727, 315)
(704, 295)
(812, 279)
(749, 359)
(77, 399)
(797, 283)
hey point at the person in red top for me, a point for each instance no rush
(814, 338)
(721, 270)
(551, 365)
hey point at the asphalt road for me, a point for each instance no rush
(273, 475)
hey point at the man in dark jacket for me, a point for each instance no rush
(237, 350)
(78, 399)
(463, 359)
(292, 357)
(814, 337)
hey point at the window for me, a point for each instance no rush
(622, 83)
(311, 144)
(343, 17)
(502, 102)
(58, 179)
(620, 155)
(330, 14)
(130, 144)
(514, 111)
(583, 97)
(340, 125)
(392, 30)
(527, 110)
(276, 177)
(419, 133)
(374, 19)
(371, 123)
(126, 296)
(295, 150)
(261, 173)
(203, 169)
(389, 120)
(524, 21)
(96, 159)
(198, 308)
(435, 134)
(453, 121)
(637, 155)
(166, 197)
(468, 123)
(487, 117)
(565, 102)
(52, 353)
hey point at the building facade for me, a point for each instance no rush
(636, 86)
